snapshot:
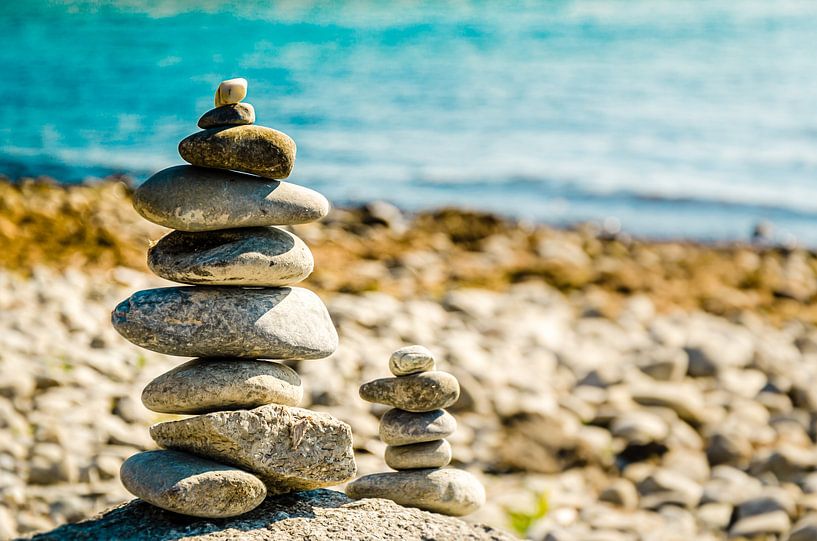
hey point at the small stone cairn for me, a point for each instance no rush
(245, 439)
(414, 431)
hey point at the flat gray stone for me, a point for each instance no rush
(250, 149)
(431, 454)
(426, 391)
(288, 448)
(411, 360)
(198, 199)
(399, 427)
(212, 384)
(451, 492)
(257, 256)
(235, 114)
(191, 485)
(219, 321)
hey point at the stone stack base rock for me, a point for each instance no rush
(414, 431)
(239, 313)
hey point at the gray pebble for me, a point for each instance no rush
(399, 427)
(411, 360)
(426, 391)
(431, 454)
(234, 114)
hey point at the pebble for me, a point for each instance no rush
(449, 491)
(216, 321)
(253, 149)
(191, 485)
(288, 448)
(259, 256)
(399, 427)
(773, 523)
(205, 385)
(198, 199)
(431, 454)
(621, 493)
(235, 114)
(411, 360)
(231, 91)
(426, 391)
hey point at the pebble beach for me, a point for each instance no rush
(642, 390)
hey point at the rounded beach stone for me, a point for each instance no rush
(419, 392)
(451, 492)
(205, 385)
(231, 91)
(431, 454)
(236, 114)
(199, 199)
(411, 360)
(220, 321)
(252, 149)
(191, 485)
(259, 256)
(399, 427)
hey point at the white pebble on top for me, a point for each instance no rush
(231, 91)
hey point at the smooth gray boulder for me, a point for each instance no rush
(234, 114)
(288, 448)
(411, 360)
(256, 256)
(426, 391)
(219, 321)
(451, 492)
(430, 454)
(251, 149)
(317, 515)
(399, 427)
(191, 485)
(212, 384)
(191, 198)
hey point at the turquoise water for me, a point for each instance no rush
(679, 119)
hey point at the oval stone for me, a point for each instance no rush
(191, 485)
(212, 384)
(451, 492)
(399, 427)
(419, 392)
(431, 454)
(252, 149)
(259, 256)
(219, 321)
(236, 114)
(411, 360)
(199, 199)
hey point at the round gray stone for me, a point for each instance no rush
(251, 149)
(399, 427)
(257, 256)
(205, 385)
(431, 454)
(219, 321)
(426, 391)
(199, 199)
(451, 492)
(191, 485)
(411, 360)
(235, 114)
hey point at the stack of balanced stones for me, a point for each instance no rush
(414, 431)
(244, 438)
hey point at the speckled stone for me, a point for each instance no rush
(258, 256)
(219, 321)
(205, 385)
(399, 427)
(411, 360)
(419, 392)
(251, 149)
(450, 491)
(288, 448)
(431, 454)
(236, 114)
(191, 485)
(200, 199)
(230, 91)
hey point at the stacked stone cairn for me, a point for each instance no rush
(414, 431)
(245, 439)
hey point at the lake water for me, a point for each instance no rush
(676, 118)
